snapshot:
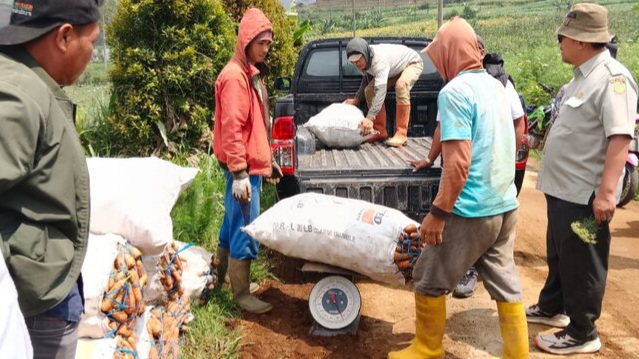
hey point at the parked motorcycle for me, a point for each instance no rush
(630, 177)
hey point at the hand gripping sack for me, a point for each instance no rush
(337, 126)
(347, 233)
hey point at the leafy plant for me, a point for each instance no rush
(469, 12)
(327, 25)
(298, 35)
(166, 56)
(586, 229)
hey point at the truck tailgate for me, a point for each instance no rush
(370, 159)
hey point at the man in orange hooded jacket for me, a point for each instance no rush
(241, 145)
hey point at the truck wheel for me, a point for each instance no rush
(287, 187)
(519, 179)
(630, 183)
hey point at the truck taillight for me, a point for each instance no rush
(284, 143)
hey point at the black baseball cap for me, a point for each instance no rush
(31, 19)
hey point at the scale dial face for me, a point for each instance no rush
(335, 302)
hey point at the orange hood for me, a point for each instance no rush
(454, 49)
(253, 23)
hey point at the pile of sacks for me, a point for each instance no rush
(138, 281)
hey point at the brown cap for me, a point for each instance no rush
(586, 22)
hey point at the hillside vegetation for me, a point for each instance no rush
(523, 32)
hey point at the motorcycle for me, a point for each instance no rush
(540, 118)
(630, 176)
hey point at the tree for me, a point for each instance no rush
(166, 57)
(283, 54)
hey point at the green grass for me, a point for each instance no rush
(197, 217)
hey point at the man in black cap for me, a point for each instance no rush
(44, 181)
(581, 175)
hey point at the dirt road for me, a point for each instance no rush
(472, 331)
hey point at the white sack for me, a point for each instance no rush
(96, 269)
(95, 348)
(337, 126)
(346, 233)
(133, 197)
(14, 336)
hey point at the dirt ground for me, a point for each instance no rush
(472, 331)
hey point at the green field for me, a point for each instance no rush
(523, 32)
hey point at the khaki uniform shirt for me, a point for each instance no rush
(599, 102)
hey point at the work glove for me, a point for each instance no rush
(276, 174)
(241, 187)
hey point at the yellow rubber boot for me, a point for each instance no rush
(514, 330)
(429, 331)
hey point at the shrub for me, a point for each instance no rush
(166, 56)
(283, 55)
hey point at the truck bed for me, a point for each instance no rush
(370, 159)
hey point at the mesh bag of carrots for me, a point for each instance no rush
(376, 241)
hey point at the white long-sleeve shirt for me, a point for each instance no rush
(389, 60)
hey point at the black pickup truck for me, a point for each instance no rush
(372, 172)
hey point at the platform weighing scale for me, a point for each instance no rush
(334, 302)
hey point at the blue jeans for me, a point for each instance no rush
(240, 245)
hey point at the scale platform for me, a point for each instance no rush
(334, 302)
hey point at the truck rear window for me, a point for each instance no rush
(323, 63)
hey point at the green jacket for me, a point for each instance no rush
(44, 184)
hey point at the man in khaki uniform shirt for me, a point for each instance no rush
(581, 173)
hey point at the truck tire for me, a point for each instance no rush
(519, 179)
(287, 187)
(630, 183)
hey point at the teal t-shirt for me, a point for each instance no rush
(473, 106)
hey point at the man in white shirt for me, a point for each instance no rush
(384, 66)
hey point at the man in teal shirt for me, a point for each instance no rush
(477, 196)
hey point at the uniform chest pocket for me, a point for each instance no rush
(574, 102)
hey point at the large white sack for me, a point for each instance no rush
(197, 274)
(133, 197)
(346, 233)
(96, 269)
(337, 126)
(14, 336)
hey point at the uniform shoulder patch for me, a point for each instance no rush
(618, 84)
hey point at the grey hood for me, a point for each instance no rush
(359, 45)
